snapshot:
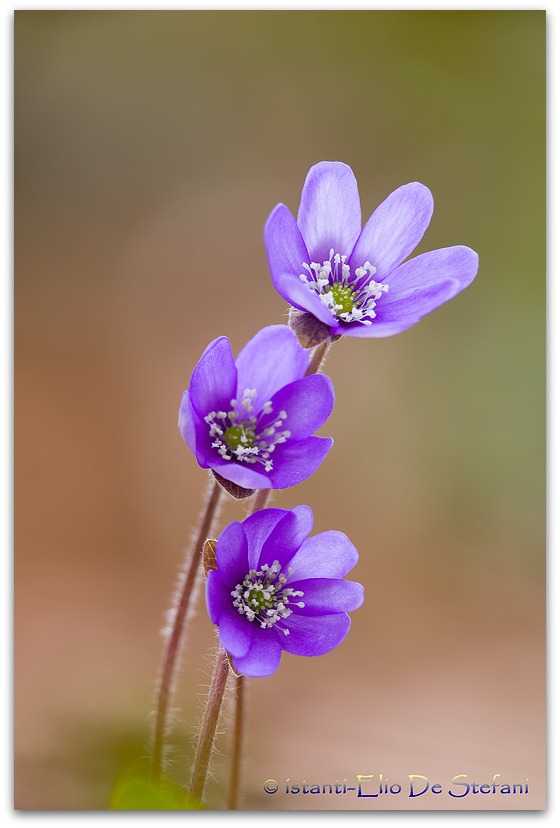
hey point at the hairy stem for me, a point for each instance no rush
(318, 356)
(209, 723)
(259, 502)
(238, 726)
(174, 637)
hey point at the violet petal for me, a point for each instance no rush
(284, 243)
(380, 329)
(329, 214)
(263, 657)
(315, 635)
(331, 554)
(186, 422)
(414, 279)
(296, 461)
(214, 378)
(308, 403)
(231, 554)
(287, 536)
(271, 359)
(239, 473)
(394, 229)
(217, 596)
(236, 633)
(257, 528)
(294, 291)
(327, 596)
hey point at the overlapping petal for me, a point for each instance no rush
(418, 287)
(296, 461)
(410, 282)
(231, 553)
(315, 635)
(308, 403)
(331, 553)
(294, 291)
(217, 596)
(194, 431)
(270, 360)
(287, 536)
(394, 229)
(236, 635)
(239, 473)
(263, 657)
(329, 214)
(322, 595)
(187, 423)
(257, 528)
(214, 378)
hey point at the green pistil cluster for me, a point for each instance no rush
(243, 435)
(240, 434)
(263, 596)
(258, 599)
(349, 297)
(343, 297)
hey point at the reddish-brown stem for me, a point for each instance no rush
(173, 642)
(259, 502)
(238, 726)
(318, 356)
(209, 723)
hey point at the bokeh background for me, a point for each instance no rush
(149, 149)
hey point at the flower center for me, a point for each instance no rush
(343, 297)
(350, 298)
(240, 434)
(264, 597)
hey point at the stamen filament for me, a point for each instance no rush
(349, 299)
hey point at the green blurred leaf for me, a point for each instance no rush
(135, 791)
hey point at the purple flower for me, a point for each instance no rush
(276, 589)
(351, 278)
(252, 420)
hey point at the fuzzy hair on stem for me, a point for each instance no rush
(177, 619)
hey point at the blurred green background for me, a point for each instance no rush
(150, 148)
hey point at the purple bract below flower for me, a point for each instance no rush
(352, 279)
(252, 420)
(275, 589)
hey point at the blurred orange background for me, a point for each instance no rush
(150, 148)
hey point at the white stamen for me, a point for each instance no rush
(321, 279)
(263, 596)
(254, 436)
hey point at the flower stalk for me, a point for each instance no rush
(209, 723)
(176, 627)
(261, 499)
(238, 728)
(319, 355)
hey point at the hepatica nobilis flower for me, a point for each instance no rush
(277, 589)
(252, 420)
(355, 280)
